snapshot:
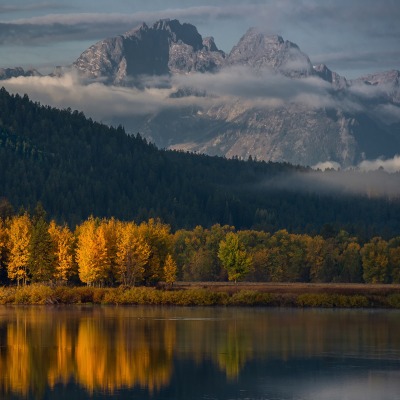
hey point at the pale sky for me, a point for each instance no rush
(353, 37)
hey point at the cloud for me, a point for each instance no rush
(246, 83)
(389, 165)
(327, 165)
(96, 100)
(30, 7)
(85, 26)
(351, 182)
(372, 178)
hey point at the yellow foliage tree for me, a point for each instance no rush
(91, 254)
(132, 255)
(158, 236)
(315, 256)
(19, 234)
(170, 270)
(63, 240)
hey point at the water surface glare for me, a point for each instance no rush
(172, 353)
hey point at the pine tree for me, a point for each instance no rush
(41, 248)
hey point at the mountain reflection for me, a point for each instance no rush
(109, 349)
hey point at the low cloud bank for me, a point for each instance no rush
(102, 102)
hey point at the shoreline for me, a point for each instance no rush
(297, 295)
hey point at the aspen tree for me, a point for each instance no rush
(132, 255)
(158, 236)
(234, 257)
(91, 253)
(170, 270)
(19, 234)
(63, 240)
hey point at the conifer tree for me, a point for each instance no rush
(41, 248)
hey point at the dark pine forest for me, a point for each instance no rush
(77, 167)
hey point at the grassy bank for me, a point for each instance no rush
(273, 295)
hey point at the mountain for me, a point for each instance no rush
(265, 98)
(166, 47)
(298, 112)
(260, 51)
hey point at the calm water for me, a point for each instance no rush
(198, 353)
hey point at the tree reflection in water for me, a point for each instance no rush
(108, 349)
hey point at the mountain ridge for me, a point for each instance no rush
(298, 112)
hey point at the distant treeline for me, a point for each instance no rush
(110, 252)
(77, 167)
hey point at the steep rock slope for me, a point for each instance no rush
(166, 47)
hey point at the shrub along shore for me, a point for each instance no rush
(288, 295)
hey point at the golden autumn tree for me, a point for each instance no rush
(170, 270)
(315, 256)
(19, 235)
(158, 236)
(375, 261)
(63, 244)
(132, 255)
(111, 229)
(91, 253)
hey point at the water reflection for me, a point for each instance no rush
(198, 352)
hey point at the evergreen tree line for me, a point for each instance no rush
(110, 252)
(77, 167)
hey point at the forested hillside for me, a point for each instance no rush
(77, 167)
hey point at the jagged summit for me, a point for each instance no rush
(165, 47)
(337, 81)
(259, 50)
(388, 82)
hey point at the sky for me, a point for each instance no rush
(352, 37)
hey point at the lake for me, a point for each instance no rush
(94, 352)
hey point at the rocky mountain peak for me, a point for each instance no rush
(163, 48)
(173, 29)
(387, 83)
(337, 81)
(260, 50)
(209, 44)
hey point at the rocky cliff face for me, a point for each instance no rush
(258, 50)
(338, 120)
(167, 47)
